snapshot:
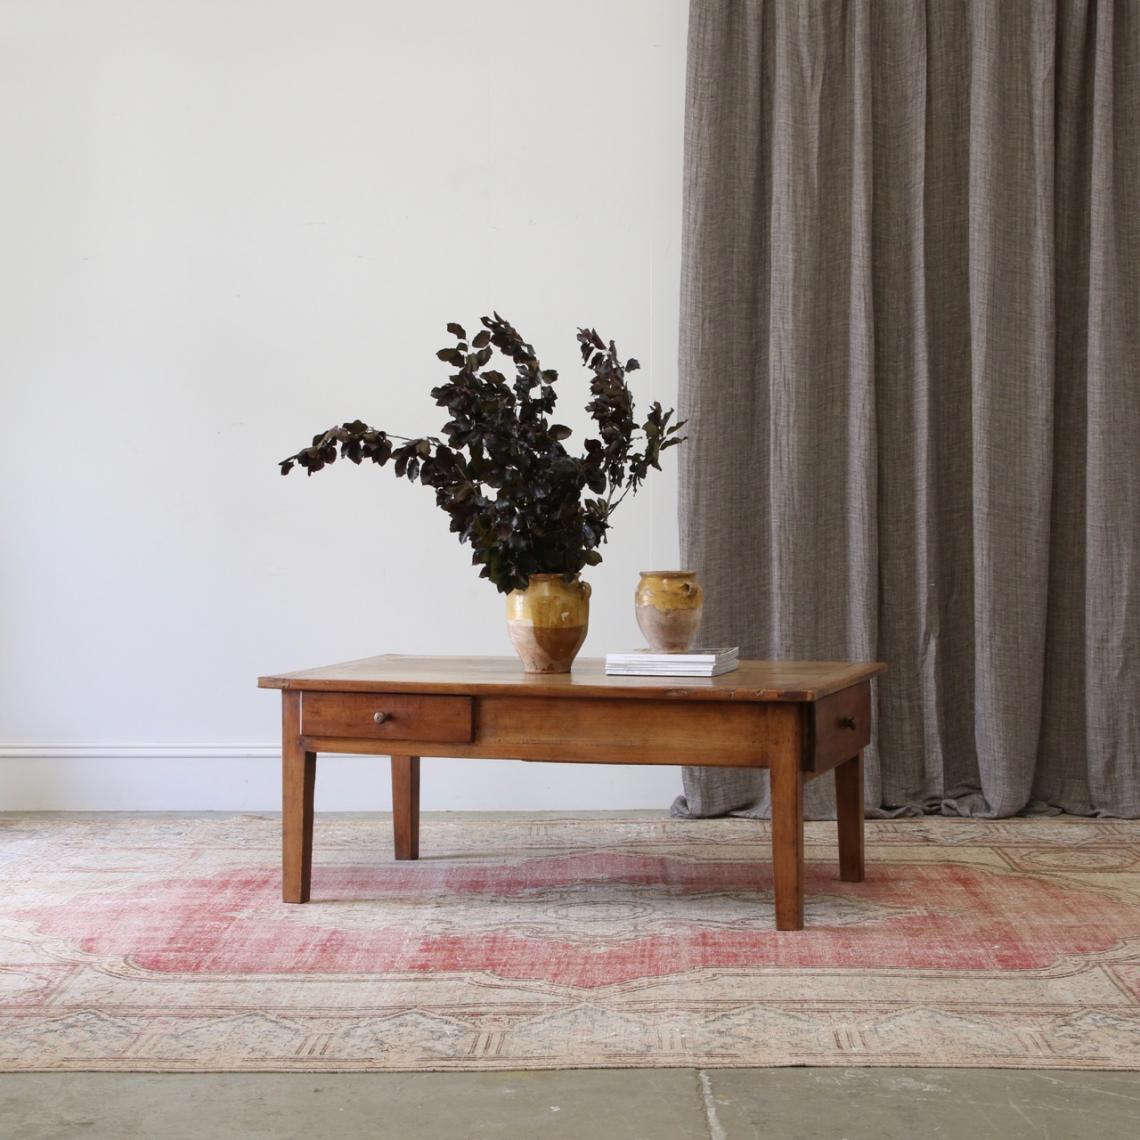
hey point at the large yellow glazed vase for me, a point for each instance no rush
(668, 605)
(547, 622)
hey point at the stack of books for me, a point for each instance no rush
(695, 663)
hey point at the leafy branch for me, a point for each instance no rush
(501, 471)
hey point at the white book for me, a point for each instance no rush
(692, 657)
(698, 670)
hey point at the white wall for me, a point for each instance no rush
(227, 225)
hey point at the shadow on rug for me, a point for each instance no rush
(158, 943)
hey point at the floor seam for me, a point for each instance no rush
(712, 1121)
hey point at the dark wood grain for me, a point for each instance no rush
(607, 732)
(788, 842)
(567, 753)
(387, 716)
(849, 817)
(793, 681)
(839, 725)
(298, 781)
(406, 806)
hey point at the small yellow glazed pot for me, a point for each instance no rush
(668, 605)
(547, 622)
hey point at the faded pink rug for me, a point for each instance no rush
(159, 943)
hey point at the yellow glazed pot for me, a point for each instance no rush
(547, 622)
(668, 605)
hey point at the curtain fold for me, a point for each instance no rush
(909, 357)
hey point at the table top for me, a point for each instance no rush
(503, 676)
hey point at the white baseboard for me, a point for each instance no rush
(247, 777)
(139, 751)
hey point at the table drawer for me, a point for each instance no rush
(838, 727)
(387, 716)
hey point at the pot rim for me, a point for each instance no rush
(667, 573)
(555, 574)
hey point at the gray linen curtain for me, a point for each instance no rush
(909, 358)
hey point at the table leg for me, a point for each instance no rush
(406, 806)
(787, 780)
(298, 780)
(849, 814)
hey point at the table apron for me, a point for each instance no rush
(610, 731)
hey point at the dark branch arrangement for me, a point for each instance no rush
(513, 491)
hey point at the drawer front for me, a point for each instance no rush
(839, 726)
(387, 716)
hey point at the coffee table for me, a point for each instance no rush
(798, 719)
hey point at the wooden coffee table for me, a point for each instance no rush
(798, 719)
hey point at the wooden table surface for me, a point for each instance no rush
(503, 676)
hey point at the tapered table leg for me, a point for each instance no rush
(298, 780)
(849, 814)
(406, 806)
(788, 840)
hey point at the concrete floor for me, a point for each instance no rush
(600, 1104)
